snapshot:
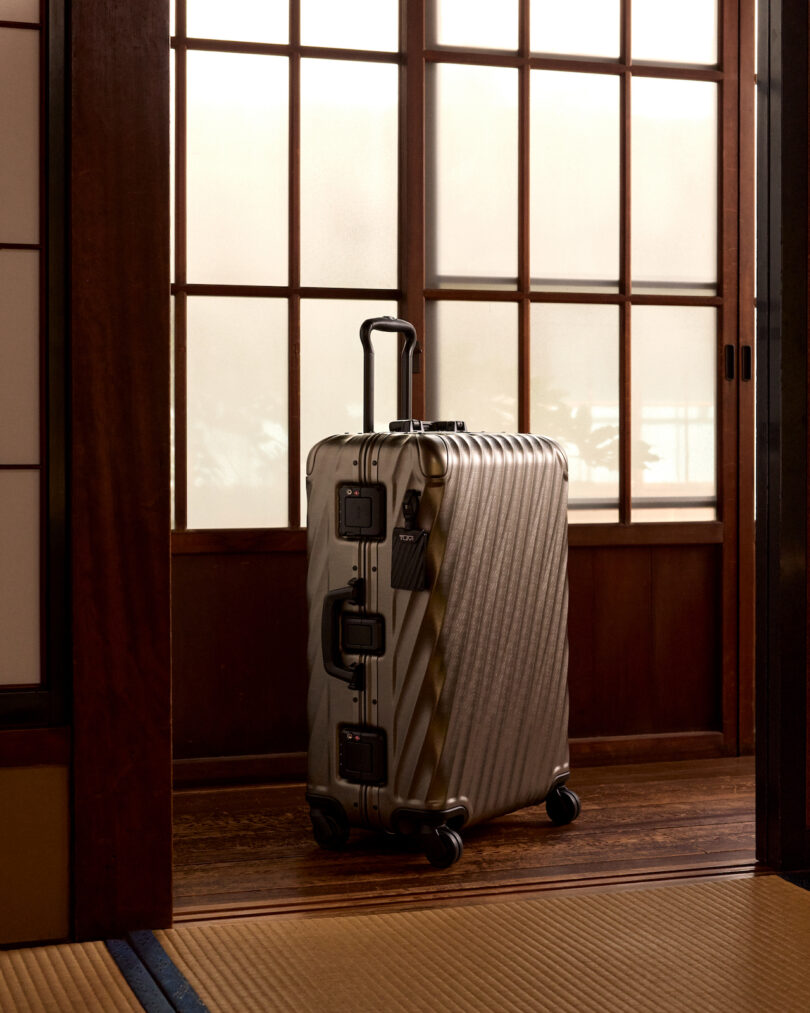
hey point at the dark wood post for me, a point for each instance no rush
(119, 356)
(783, 838)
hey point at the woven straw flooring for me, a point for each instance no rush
(733, 945)
(80, 978)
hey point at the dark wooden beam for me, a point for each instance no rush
(34, 747)
(783, 839)
(746, 432)
(119, 327)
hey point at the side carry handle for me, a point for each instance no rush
(330, 633)
(405, 366)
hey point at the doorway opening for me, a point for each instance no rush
(610, 249)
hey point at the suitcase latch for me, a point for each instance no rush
(362, 754)
(361, 512)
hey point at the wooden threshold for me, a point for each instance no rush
(246, 851)
(471, 895)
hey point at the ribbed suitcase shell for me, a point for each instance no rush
(471, 690)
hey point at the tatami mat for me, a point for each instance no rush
(735, 945)
(80, 978)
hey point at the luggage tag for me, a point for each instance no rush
(409, 549)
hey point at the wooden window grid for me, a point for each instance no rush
(46, 703)
(412, 295)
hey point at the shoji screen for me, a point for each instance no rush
(20, 253)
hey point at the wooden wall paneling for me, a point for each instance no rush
(632, 672)
(205, 771)
(239, 648)
(656, 533)
(581, 659)
(687, 670)
(239, 702)
(607, 750)
(119, 325)
(611, 693)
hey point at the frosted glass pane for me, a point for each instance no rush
(19, 136)
(239, 20)
(475, 24)
(237, 168)
(19, 578)
(472, 176)
(669, 515)
(473, 364)
(575, 394)
(332, 371)
(20, 10)
(681, 33)
(237, 413)
(576, 27)
(19, 357)
(674, 188)
(574, 181)
(350, 24)
(349, 151)
(674, 381)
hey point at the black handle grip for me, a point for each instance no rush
(729, 361)
(330, 633)
(746, 360)
(405, 366)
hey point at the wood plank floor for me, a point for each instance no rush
(250, 849)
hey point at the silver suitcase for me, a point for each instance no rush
(437, 650)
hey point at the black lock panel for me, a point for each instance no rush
(362, 634)
(362, 755)
(361, 512)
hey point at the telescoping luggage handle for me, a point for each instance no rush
(405, 366)
(404, 423)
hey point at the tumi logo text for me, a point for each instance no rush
(407, 538)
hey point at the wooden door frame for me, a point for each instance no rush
(783, 702)
(119, 200)
(118, 249)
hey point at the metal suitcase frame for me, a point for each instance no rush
(437, 647)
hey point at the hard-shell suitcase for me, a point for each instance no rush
(437, 648)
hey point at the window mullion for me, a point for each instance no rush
(180, 277)
(524, 231)
(625, 316)
(412, 184)
(294, 302)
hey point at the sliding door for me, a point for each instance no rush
(556, 196)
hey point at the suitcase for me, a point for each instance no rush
(437, 648)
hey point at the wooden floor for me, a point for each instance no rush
(250, 849)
